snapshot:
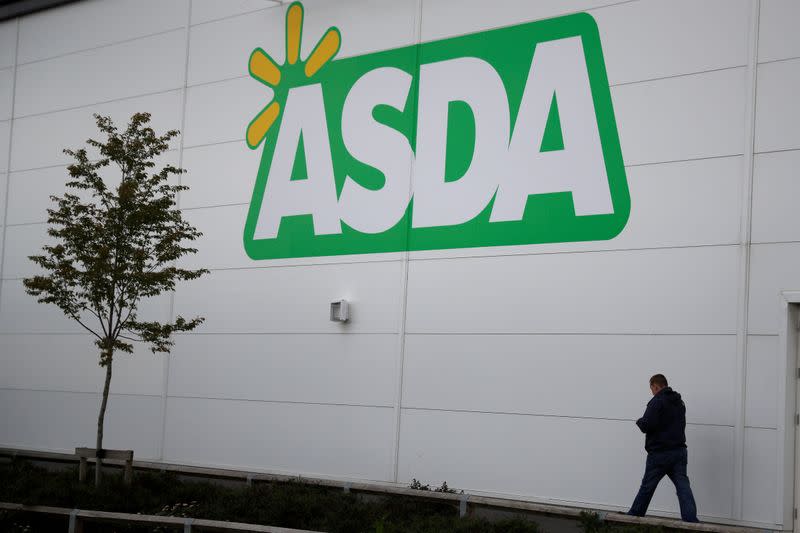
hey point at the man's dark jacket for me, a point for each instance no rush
(664, 422)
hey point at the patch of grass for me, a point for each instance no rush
(285, 504)
(292, 505)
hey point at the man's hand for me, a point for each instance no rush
(649, 420)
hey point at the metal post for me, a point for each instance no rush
(82, 467)
(128, 476)
(75, 525)
(462, 506)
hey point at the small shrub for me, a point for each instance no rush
(417, 485)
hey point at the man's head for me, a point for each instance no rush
(657, 383)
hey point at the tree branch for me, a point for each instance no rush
(87, 328)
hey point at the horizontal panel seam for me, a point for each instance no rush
(417, 334)
(544, 415)
(64, 391)
(218, 143)
(597, 251)
(175, 89)
(687, 160)
(386, 332)
(466, 257)
(773, 243)
(101, 46)
(681, 75)
(63, 165)
(237, 15)
(191, 397)
(779, 151)
(781, 60)
(563, 334)
(284, 402)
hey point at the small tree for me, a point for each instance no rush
(115, 246)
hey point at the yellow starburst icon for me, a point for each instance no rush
(292, 73)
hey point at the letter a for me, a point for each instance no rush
(304, 115)
(559, 67)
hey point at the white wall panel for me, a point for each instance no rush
(21, 242)
(651, 291)
(341, 369)
(439, 20)
(760, 489)
(777, 35)
(48, 420)
(129, 69)
(8, 42)
(30, 191)
(3, 189)
(671, 205)
(220, 112)
(526, 374)
(39, 140)
(295, 299)
(220, 50)
(554, 458)
(777, 112)
(21, 313)
(141, 372)
(207, 10)
(350, 442)
(773, 269)
(365, 26)
(763, 382)
(775, 192)
(6, 92)
(689, 117)
(62, 421)
(5, 132)
(111, 22)
(219, 175)
(676, 37)
(221, 245)
(70, 363)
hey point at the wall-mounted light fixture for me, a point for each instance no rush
(340, 311)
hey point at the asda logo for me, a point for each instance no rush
(504, 137)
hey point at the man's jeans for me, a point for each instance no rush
(670, 463)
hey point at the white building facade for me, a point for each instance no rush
(495, 361)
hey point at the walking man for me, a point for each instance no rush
(664, 423)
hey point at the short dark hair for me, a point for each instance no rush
(659, 380)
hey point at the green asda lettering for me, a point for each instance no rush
(504, 137)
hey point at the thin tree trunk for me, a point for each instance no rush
(100, 420)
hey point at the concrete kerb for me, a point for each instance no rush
(464, 503)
